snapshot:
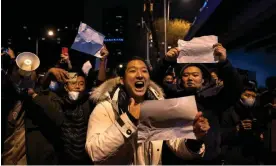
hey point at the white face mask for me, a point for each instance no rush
(73, 95)
(249, 102)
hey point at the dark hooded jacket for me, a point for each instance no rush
(241, 147)
(210, 100)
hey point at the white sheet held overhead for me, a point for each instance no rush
(197, 50)
(167, 119)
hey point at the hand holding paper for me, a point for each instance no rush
(220, 52)
(172, 54)
(201, 126)
(167, 119)
(104, 52)
(88, 40)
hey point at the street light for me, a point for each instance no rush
(50, 33)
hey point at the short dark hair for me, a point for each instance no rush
(250, 86)
(214, 70)
(123, 69)
(169, 74)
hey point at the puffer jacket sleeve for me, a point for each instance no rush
(106, 135)
(180, 148)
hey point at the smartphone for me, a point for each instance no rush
(64, 51)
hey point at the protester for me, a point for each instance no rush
(242, 132)
(195, 79)
(168, 79)
(67, 117)
(66, 114)
(112, 129)
(15, 105)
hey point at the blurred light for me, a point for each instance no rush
(9, 39)
(58, 39)
(29, 38)
(119, 53)
(58, 42)
(120, 66)
(9, 43)
(58, 30)
(24, 27)
(66, 27)
(50, 33)
(43, 38)
(204, 5)
(119, 16)
(169, 47)
(116, 30)
(114, 40)
(151, 40)
(163, 43)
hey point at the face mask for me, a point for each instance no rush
(53, 86)
(169, 82)
(249, 102)
(73, 95)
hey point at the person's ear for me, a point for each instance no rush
(66, 87)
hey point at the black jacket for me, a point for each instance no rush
(240, 147)
(49, 119)
(211, 101)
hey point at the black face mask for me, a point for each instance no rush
(169, 82)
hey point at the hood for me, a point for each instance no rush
(102, 92)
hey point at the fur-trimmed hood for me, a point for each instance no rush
(102, 92)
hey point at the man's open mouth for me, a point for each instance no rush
(139, 85)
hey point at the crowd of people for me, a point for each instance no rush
(73, 115)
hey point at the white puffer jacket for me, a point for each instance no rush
(112, 138)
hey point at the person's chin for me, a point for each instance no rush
(139, 92)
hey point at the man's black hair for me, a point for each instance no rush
(123, 69)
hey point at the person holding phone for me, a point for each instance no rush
(242, 129)
(64, 61)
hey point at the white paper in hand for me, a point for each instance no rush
(86, 67)
(197, 50)
(167, 119)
